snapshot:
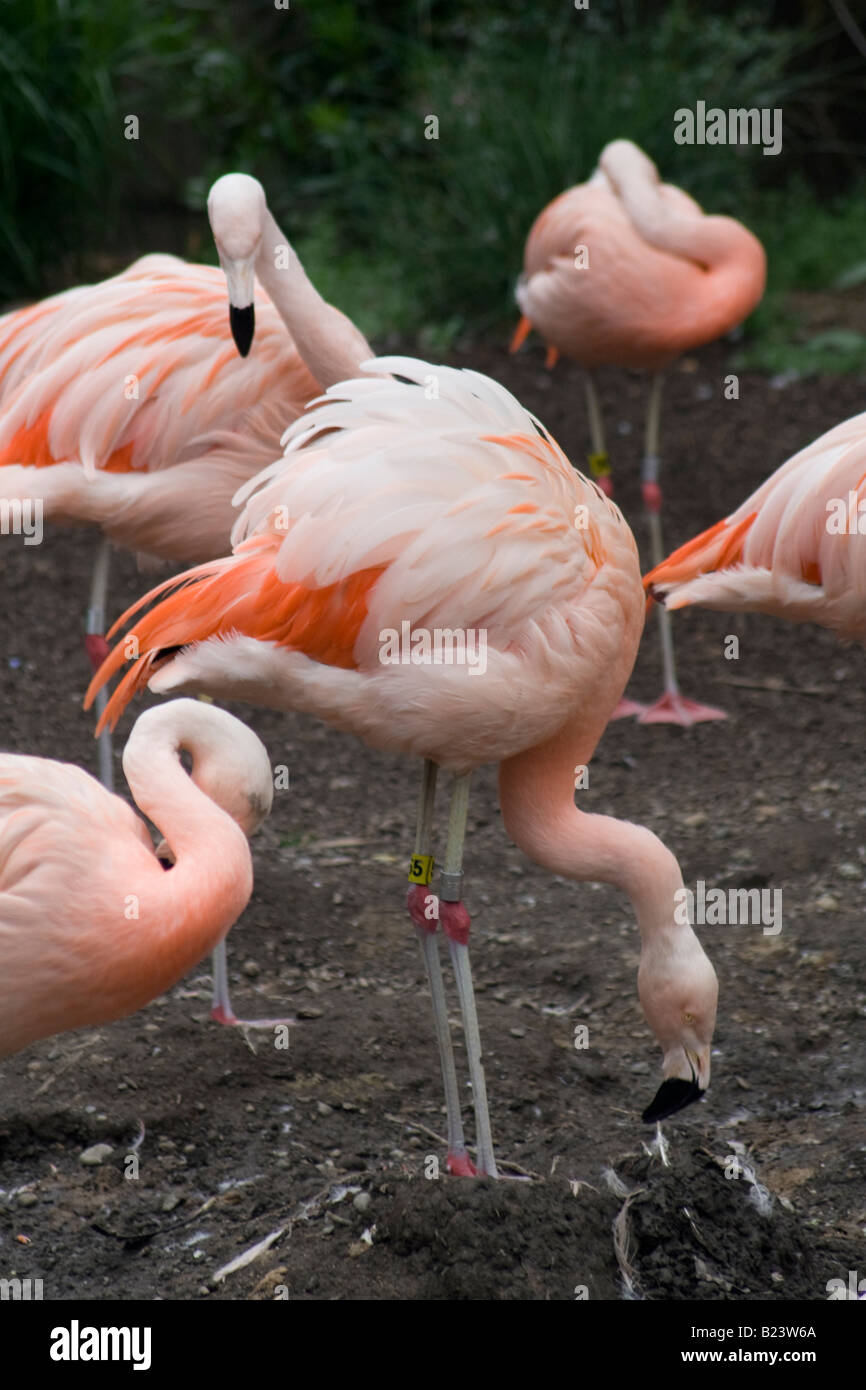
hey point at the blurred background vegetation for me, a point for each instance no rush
(325, 101)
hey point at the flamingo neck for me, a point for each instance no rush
(329, 343)
(537, 798)
(735, 274)
(192, 906)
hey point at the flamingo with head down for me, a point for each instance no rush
(433, 499)
(627, 271)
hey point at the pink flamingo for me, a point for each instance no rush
(436, 504)
(126, 405)
(627, 271)
(795, 548)
(91, 925)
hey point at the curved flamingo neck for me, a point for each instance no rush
(194, 904)
(536, 791)
(732, 260)
(330, 344)
(735, 274)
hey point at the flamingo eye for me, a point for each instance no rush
(688, 1018)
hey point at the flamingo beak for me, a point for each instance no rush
(241, 280)
(165, 854)
(671, 1096)
(243, 325)
(688, 1083)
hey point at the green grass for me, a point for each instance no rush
(326, 103)
(439, 226)
(812, 244)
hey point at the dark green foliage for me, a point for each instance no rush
(326, 102)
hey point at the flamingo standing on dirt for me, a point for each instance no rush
(796, 548)
(437, 504)
(92, 927)
(126, 405)
(627, 271)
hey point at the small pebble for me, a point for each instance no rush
(361, 1201)
(250, 969)
(324, 1108)
(27, 1199)
(95, 1155)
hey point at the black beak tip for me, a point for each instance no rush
(671, 1096)
(243, 325)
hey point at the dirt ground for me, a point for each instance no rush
(324, 1147)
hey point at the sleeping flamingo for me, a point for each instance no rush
(91, 925)
(126, 405)
(796, 548)
(437, 502)
(627, 271)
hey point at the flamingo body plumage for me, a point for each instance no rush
(324, 565)
(126, 405)
(91, 925)
(793, 549)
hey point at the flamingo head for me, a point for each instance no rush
(237, 210)
(679, 993)
(227, 761)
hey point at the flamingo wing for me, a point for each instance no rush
(434, 501)
(69, 853)
(793, 548)
(137, 372)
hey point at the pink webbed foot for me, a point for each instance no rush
(674, 708)
(460, 1165)
(628, 709)
(229, 1019)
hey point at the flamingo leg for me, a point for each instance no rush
(222, 1009)
(97, 649)
(599, 468)
(420, 901)
(455, 923)
(599, 465)
(672, 707)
